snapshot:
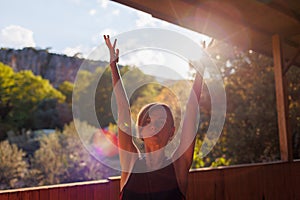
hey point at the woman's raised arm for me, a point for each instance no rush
(124, 114)
(185, 150)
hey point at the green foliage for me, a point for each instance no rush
(103, 98)
(46, 115)
(294, 106)
(65, 115)
(20, 95)
(213, 159)
(198, 161)
(13, 167)
(66, 88)
(6, 85)
(220, 162)
(251, 125)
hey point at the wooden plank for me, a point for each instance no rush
(295, 182)
(81, 190)
(114, 188)
(4, 196)
(14, 196)
(63, 193)
(243, 183)
(73, 192)
(102, 191)
(219, 184)
(276, 184)
(34, 194)
(89, 191)
(24, 195)
(54, 193)
(44, 194)
(285, 139)
(77, 192)
(205, 184)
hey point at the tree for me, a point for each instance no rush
(293, 93)
(49, 162)
(65, 109)
(251, 124)
(46, 115)
(21, 93)
(214, 159)
(66, 88)
(6, 85)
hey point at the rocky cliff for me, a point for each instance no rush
(54, 67)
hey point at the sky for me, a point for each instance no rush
(72, 26)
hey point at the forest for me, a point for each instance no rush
(30, 104)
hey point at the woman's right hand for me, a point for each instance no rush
(114, 53)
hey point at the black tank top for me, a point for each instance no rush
(156, 185)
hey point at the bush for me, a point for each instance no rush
(62, 158)
(13, 166)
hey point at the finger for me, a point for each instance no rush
(115, 42)
(108, 41)
(117, 55)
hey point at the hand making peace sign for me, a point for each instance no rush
(114, 53)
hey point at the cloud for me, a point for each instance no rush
(103, 3)
(98, 38)
(79, 50)
(15, 36)
(143, 57)
(157, 63)
(116, 12)
(92, 12)
(146, 20)
(106, 31)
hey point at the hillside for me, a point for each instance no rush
(54, 67)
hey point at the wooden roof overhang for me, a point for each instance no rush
(270, 27)
(248, 24)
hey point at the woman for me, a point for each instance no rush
(165, 179)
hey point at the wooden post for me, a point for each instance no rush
(285, 139)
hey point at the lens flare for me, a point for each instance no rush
(104, 145)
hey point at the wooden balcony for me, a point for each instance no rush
(268, 181)
(274, 181)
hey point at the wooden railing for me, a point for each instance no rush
(271, 181)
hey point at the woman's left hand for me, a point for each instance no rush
(114, 53)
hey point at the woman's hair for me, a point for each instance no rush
(144, 114)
